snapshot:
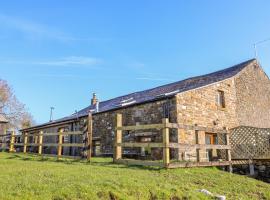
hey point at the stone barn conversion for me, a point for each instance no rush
(204, 109)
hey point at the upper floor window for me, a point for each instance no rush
(221, 99)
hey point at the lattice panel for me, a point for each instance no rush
(250, 143)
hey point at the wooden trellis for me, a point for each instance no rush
(250, 143)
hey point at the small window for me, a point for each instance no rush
(221, 99)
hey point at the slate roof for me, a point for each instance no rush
(160, 92)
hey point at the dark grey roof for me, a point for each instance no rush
(160, 92)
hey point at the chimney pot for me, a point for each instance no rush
(94, 99)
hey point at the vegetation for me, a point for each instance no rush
(33, 177)
(15, 111)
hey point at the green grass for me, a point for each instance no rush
(31, 177)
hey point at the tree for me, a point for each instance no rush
(13, 109)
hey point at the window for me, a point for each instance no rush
(221, 99)
(211, 138)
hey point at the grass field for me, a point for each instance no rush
(33, 177)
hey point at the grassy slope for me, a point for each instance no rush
(30, 177)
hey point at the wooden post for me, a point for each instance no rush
(166, 149)
(25, 142)
(40, 142)
(118, 138)
(229, 157)
(12, 140)
(60, 142)
(89, 136)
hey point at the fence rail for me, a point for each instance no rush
(39, 141)
(166, 145)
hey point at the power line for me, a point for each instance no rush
(256, 44)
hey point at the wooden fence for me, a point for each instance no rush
(5, 141)
(166, 145)
(39, 138)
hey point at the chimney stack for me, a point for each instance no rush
(94, 100)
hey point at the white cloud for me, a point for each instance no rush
(72, 60)
(65, 61)
(33, 30)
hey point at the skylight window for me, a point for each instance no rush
(127, 100)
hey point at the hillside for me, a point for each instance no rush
(31, 177)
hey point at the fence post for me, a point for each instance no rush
(40, 142)
(60, 142)
(166, 141)
(89, 136)
(229, 157)
(12, 140)
(118, 138)
(25, 142)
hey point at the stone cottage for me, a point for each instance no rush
(3, 124)
(232, 97)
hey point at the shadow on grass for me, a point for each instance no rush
(70, 161)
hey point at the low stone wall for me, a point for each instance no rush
(261, 170)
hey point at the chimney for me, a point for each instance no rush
(94, 100)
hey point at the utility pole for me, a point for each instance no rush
(51, 115)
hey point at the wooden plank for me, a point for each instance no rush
(50, 144)
(89, 136)
(25, 142)
(72, 145)
(40, 142)
(118, 138)
(198, 164)
(137, 144)
(139, 162)
(63, 145)
(63, 156)
(57, 134)
(195, 127)
(18, 144)
(199, 146)
(165, 138)
(140, 127)
(60, 142)
(12, 140)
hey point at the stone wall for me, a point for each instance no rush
(200, 107)
(253, 97)
(150, 113)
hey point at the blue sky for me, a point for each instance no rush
(56, 53)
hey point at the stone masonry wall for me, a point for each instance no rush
(200, 107)
(150, 113)
(253, 97)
